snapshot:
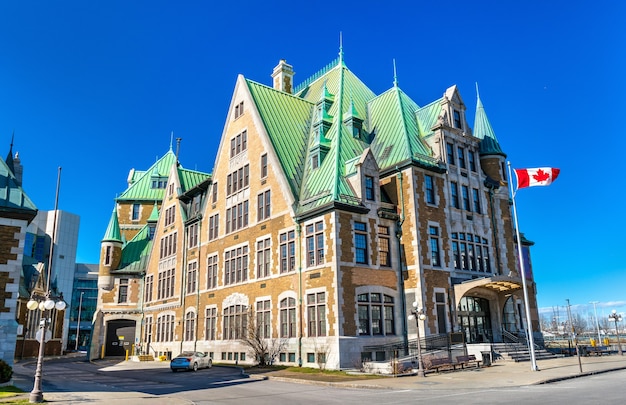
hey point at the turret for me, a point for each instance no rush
(110, 253)
(492, 158)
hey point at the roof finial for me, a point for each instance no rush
(395, 74)
(171, 140)
(340, 48)
(477, 93)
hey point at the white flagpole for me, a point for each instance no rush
(531, 341)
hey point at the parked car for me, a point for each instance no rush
(191, 361)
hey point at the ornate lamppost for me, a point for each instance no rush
(418, 314)
(617, 317)
(45, 304)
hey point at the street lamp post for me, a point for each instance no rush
(597, 323)
(80, 306)
(617, 317)
(418, 313)
(45, 304)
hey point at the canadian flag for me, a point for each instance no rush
(541, 176)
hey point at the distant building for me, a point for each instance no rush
(330, 209)
(84, 302)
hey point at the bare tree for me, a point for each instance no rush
(579, 323)
(322, 351)
(257, 337)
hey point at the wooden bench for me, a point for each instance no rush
(597, 350)
(438, 363)
(467, 360)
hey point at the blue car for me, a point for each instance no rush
(191, 361)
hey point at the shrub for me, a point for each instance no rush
(6, 372)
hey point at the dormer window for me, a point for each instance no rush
(159, 182)
(457, 119)
(315, 161)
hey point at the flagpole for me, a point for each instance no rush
(531, 341)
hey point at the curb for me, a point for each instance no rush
(583, 374)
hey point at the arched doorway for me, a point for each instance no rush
(511, 316)
(120, 337)
(475, 319)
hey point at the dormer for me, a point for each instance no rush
(454, 108)
(157, 181)
(354, 122)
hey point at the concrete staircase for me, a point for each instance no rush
(519, 352)
(145, 357)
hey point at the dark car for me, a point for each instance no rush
(191, 361)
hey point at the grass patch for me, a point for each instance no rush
(9, 391)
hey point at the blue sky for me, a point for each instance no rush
(97, 88)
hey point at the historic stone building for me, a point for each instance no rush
(329, 211)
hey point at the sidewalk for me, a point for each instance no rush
(500, 374)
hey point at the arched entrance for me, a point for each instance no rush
(120, 337)
(475, 319)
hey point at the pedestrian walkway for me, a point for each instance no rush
(498, 375)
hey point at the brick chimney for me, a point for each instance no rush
(283, 77)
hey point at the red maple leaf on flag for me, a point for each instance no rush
(541, 175)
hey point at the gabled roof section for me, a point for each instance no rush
(489, 144)
(135, 253)
(12, 196)
(397, 139)
(190, 178)
(287, 121)
(113, 233)
(141, 188)
(428, 117)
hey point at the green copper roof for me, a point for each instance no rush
(136, 252)
(154, 215)
(286, 119)
(141, 188)
(113, 233)
(482, 130)
(190, 178)
(12, 196)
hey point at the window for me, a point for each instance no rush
(440, 299)
(107, 256)
(165, 328)
(287, 251)
(135, 214)
(450, 152)
(457, 119)
(316, 313)
(315, 161)
(461, 153)
(165, 283)
(238, 110)
(288, 317)
(210, 321)
(263, 319)
(211, 272)
(239, 144)
(168, 245)
(360, 242)
(476, 198)
(383, 246)
(430, 189)
(193, 235)
(466, 201)
(235, 322)
(149, 285)
(147, 330)
(192, 275)
(238, 180)
(375, 312)
(470, 252)
(122, 297)
(435, 256)
(214, 226)
(264, 165)
(190, 326)
(236, 265)
(170, 215)
(369, 188)
(237, 217)
(454, 194)
(264, 205)
(471, 158)
(214, 189)
(315, 244)
(263, 258)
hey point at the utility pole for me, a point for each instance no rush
(569, 316)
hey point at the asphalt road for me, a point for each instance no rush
(225, 385)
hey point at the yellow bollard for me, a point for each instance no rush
(102, 352)
(126, 359)
(593, 342)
